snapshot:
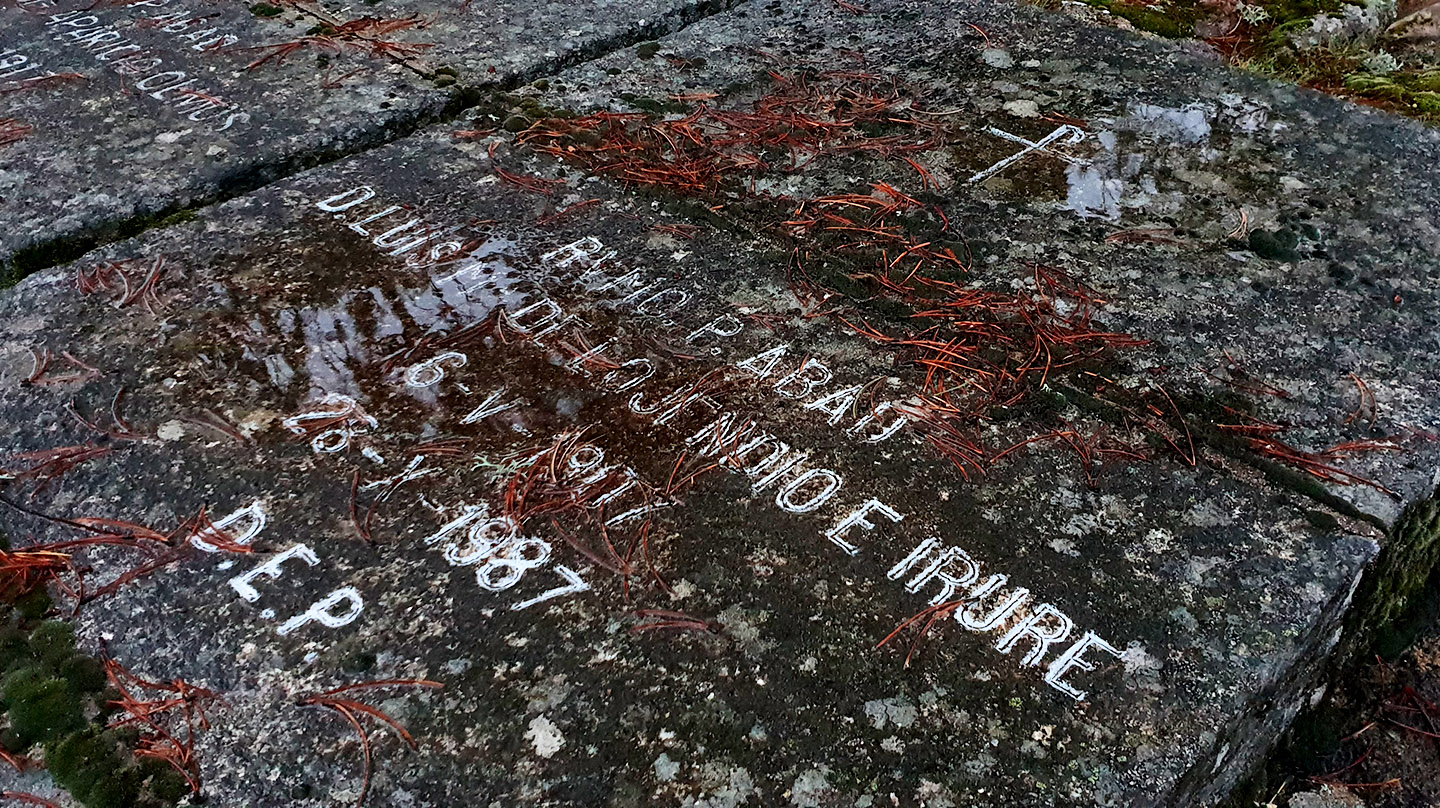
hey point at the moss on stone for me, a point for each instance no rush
(41, 707)
(1277, 245)
(90, 765)
(52, 642)
(162, 781)
(1269, 45)
(647, 50)
(1173, 20)
(84, 673)
(1281, 30)
(34, 604)
(54, 252)
(1401, 573)
(656, 107)
(265, 10)
(1374, 86)
(92, 762)
(1417, 92)
(57, 698)
(172, 219)
(14, 647)
(1322, 520)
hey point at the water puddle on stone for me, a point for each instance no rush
(1151, 162)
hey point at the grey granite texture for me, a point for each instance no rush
(733, 658)
(1273, 243)
(145, 109)
(1218, 592)
(502, 43)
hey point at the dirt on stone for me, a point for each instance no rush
(1376, 743)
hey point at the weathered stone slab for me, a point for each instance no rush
(332, 342)
(116, 114)
(515, 41)
(1278, 247)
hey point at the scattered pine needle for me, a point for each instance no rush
(666, 620)
(169, 722)
(14, 130)
(27, 798)
(352, 709)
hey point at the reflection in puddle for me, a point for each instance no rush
(337, 337)
(1187, 124)
(1140, 155)
(333, 339)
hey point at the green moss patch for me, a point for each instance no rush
(55, 705)
(1417, 92)
(1171, 20)
(1264, 41)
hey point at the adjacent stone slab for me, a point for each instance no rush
(1277, 246)
(122, 113)
(327, 358)
(515, 41)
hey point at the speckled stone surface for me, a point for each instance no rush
(1271, 241)
(495, 43)
(1218, 593)
(162, 104)
(322, 359)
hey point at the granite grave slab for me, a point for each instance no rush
(939, 405)
(658, 527)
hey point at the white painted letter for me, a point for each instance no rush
(347, 199)
(1030, 625)
(254, 518)
(807, 377)
(857, 519)
(1074, 658)
(731, 326)
(1000, 614)
(785, 498)
(271, 569)
(320, 611)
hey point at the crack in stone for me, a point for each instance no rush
(63, 249)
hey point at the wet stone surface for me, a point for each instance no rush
(113, 115)
(1277, 246)
(326, 359)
